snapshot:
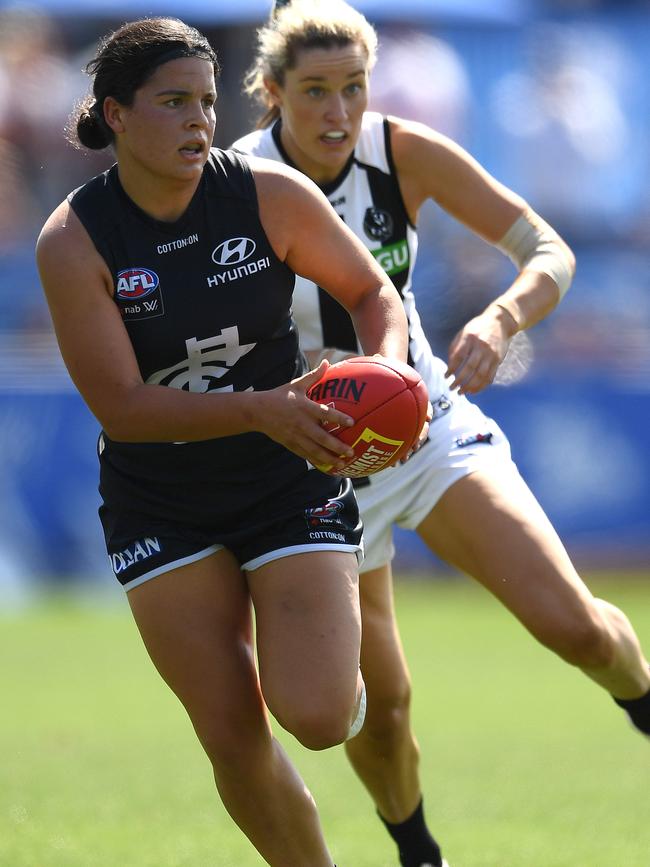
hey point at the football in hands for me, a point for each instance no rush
(388, 401)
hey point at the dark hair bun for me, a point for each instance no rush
(91, 130)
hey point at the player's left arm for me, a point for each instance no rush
(430, 165)
(311, 238)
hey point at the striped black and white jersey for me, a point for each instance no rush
(366, 195)
(207, 306)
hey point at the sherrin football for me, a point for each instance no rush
(388, 401)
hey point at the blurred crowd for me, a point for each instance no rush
(558, 110)
(555, 106)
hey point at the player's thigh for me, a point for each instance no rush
(196, 624)
(382, 657)
(308, 627)
(490, 526)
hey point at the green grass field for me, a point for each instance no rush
(524, 762)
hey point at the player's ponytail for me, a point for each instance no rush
(88, 127)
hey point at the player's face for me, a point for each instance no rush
(168, 130)
(322, 104)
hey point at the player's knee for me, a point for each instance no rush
(230, 748)
(317, 728)
(320, 718)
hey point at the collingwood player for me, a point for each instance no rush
(170, 279)
(461, 492)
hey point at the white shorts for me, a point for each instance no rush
(462, 439)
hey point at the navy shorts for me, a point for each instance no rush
(140, 548)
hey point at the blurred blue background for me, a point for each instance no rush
(552, 97)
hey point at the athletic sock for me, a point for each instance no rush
(638, 710)
(415, 844)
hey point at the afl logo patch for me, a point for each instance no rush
(327, 514)
(136, 283)
(233, 251)
(377, 224)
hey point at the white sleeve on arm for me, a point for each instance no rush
(530, 243)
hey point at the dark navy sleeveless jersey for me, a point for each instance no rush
(207, 306)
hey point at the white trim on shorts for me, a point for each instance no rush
(278, 553)
(404, 495)
(175, 564)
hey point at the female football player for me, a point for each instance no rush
(461, 491)
(169, 279)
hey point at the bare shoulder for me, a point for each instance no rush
(430, 165)
(413, 141)
(61, 228)
(65, 253)
(276, 179)
(290, 204)
(426, 161)
(63, 236)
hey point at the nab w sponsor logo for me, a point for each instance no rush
(138, 294)
(136, 283)
(233, 251)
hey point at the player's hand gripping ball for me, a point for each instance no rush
(388, 401)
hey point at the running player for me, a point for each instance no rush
(169, 279)
(461, 492)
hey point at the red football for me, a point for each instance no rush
(388, 401)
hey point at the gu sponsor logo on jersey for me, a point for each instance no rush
(471, 439)
(393, 258)
(138, 294)
(233, 255)
(327, 514)
(377, 224)
(140, 550)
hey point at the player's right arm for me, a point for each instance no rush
(432, 166)
(101, 361)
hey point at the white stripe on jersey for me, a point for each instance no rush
(352, 198)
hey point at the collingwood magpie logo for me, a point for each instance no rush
(377, 224)
(233, 255)
(233, 251)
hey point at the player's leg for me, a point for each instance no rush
(490, 526)
(385, 753)
(308, 626)
(196, 624)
